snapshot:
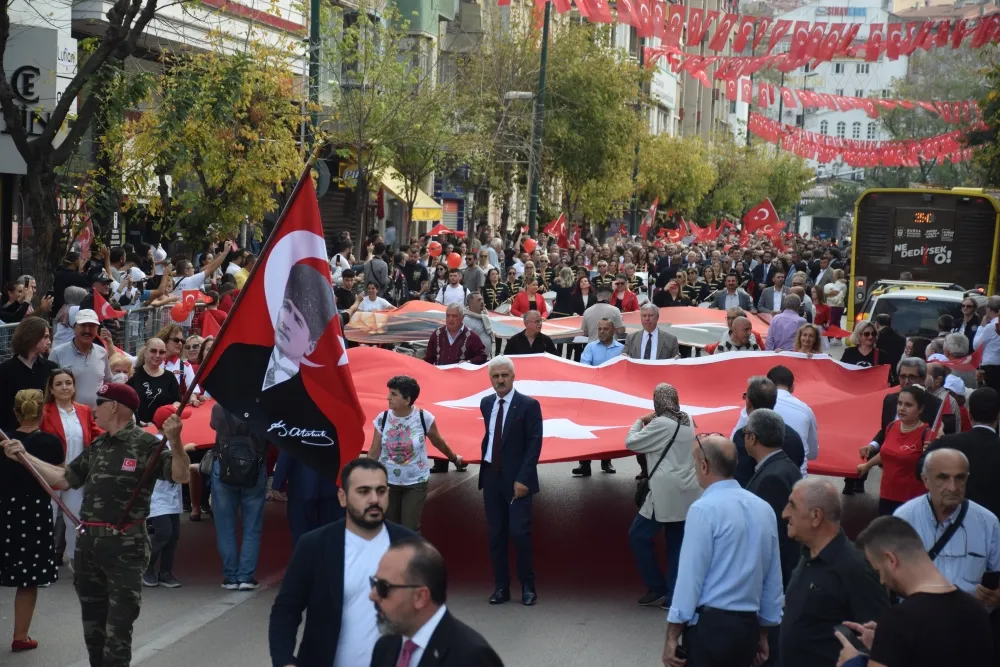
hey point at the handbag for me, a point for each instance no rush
(642, 487)
(207, 461)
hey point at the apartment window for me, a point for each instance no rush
(839, 91)
(856, 130)
(860, 92)
(633, 42)
(805, 68)
(732, 106)
(871, 130)
(841, 129)
(824, 127)
(838, 68)
(885, 93)
(861, 68)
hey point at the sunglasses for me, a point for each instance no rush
(192, 346)
(968, 306)
(179, 341)
(383, 588)
(102, 401)
(156, 351)
(867, 334)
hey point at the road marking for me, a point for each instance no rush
(149, 644)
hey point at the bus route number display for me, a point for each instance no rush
(923, 237)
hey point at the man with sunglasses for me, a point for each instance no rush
(414, 617)
(728, 590)
(330, 578)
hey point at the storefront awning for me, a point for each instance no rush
(424, 208)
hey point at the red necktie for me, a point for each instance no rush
(498, 437)
(409, 648)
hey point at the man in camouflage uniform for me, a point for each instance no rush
(112, 550)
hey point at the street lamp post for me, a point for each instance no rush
(536, 132)
(314, 20)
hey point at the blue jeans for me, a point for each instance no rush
(640, 538)
(238, 564)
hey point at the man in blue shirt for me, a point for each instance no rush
(728, 590)
(596, 353)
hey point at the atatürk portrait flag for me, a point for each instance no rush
(280, 362)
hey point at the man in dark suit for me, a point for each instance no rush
(763, 275)
(981, 446)
(409, 592)
(762, 394)
(891, 342)
(508, 477)
(315, 580)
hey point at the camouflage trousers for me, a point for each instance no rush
(107, 574)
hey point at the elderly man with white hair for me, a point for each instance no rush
(956, 346)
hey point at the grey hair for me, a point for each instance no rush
(802, 274)
(25, 279)
(935, 454)
(455, 306)
(913, 362)
(649, 305)
(821, 494)
(608, 319)
(791, 302)
(956, 345)
(936, 346)
(500, 360)
(529, 313)
(993, 303)
(768, 427)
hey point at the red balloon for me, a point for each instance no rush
(434, 249)
(179, 312)
(454, 260)
(530, 245)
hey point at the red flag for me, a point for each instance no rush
(944, 410)
(781, 26)
(874, 45)
(746, 90)
(721, 36)
(628, 13)
(600, 11)
(562, 6)
(104, 309)
(850, 32)
(659, 19)
(210, 327)
(764, 91)
(760, 215)
(893, 40)
(85, 237)
(958, 33)
(744, 32)
(574, 238)
(675, 25)
(694, 28)
(647, 220)
(788, 96)
(831, 42)
(943, 33)
(763, 23)
(559, 229)
(731, 90)
(280, 363)
(800, 40)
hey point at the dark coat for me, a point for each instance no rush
(772, 482)
(522, 440)
(453, 644)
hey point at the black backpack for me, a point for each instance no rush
(239, 462)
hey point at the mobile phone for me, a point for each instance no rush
(991, 580)
(51, 293)
(681, 652)
(852, 637)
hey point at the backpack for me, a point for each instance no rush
(239, 463)
(385, 416)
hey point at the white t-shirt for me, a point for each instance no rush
(369, 306)
(187, 374)
(166, 498)
(358, 624)
(404, 447)
(452, 295)
(232, 268)
(197, 281)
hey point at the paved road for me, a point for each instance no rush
(587, 585)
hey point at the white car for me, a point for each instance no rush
(915, 312)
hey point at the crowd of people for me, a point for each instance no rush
(750, 537)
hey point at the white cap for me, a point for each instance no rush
(953, 383)
(937, 356)
(86, 316)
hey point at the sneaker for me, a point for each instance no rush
(149, 579)
(230, 585)
(168, 580)
(251, 585)
(650, 598)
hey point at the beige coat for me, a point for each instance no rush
(673, 487)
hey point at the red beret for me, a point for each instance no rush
(120, 393)
(164, 412)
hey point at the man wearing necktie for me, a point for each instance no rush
(409, 591)
(649, 343)
(508, 477)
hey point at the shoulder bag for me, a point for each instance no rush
(950, 531)
(642, 486)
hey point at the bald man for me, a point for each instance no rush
(728, 592)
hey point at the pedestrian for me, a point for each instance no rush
(329, 578)
(27, 368)
(784, 325)
(597, 352)
(410, 592)
(740, 338)
(112, 549)
(89, 362)
(830, 563)
(454, 342)
(154, 385)
(400, 444)
(26, 561)
(936, 623)
(508, 478)
(311, 496)
(729, 577)
(762, 394)
(165, 508)
(664, 436)
(239, 486)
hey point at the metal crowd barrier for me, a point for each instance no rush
(6, 333)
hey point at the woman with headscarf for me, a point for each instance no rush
(665, 437)
(72, 297)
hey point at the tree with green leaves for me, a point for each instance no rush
(843, 196)
(987, 140)
(677, 171)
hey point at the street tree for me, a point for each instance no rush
(986, 140)
(677, 171)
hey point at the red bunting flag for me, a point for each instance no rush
(562, 6)
(746, 90)
(644, 9)
(659, 19)
(874, 45)
(800, 40)
(627, 13)
(721, 36)
(744, 32)
(831, 41)
(559, 229)
(675, 25)
(893, 40)
(647, 220)
(850, 34)
(958, 33)
(763, 23)
(781, 27)
(600, 11)
(788, 97)
(816, 34)
(731, 90)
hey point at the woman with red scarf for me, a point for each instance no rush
(529, 299)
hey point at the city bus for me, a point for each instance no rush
(940, 237)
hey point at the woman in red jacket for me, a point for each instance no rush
(529, 299)
(73, 423)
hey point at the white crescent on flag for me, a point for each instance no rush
(761, 215)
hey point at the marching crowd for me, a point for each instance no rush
(758, 569)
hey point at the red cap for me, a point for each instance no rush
(120, 393)
(164, 412)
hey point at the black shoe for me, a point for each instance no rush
(640, 477)
(439, 466)
(582, 471)
(528, 595)
(608, 468)
(859, 486)
(500, 596)
(848, 487)
(650, 598)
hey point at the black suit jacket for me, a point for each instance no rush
(982, 447)
(772, 482)
(314, 583)
(792, 445)
(758, 279)
(522, 440)
(893, 344)
(453, 644)
(931, 406)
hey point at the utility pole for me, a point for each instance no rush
(314, 21)
(634, 222)
(536, 132)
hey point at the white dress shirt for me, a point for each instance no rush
(646, 336)
(799, 416)
(732, 300)
(986, 335)
(493, 420)
(74, 433)
(778, 298)
(422, 637)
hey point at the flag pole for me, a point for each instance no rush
(45, 485)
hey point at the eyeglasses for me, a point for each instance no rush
(192, 346)
(156, 351)
(968, 306)
(383, 588)
(179, 341)
(699, 436)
